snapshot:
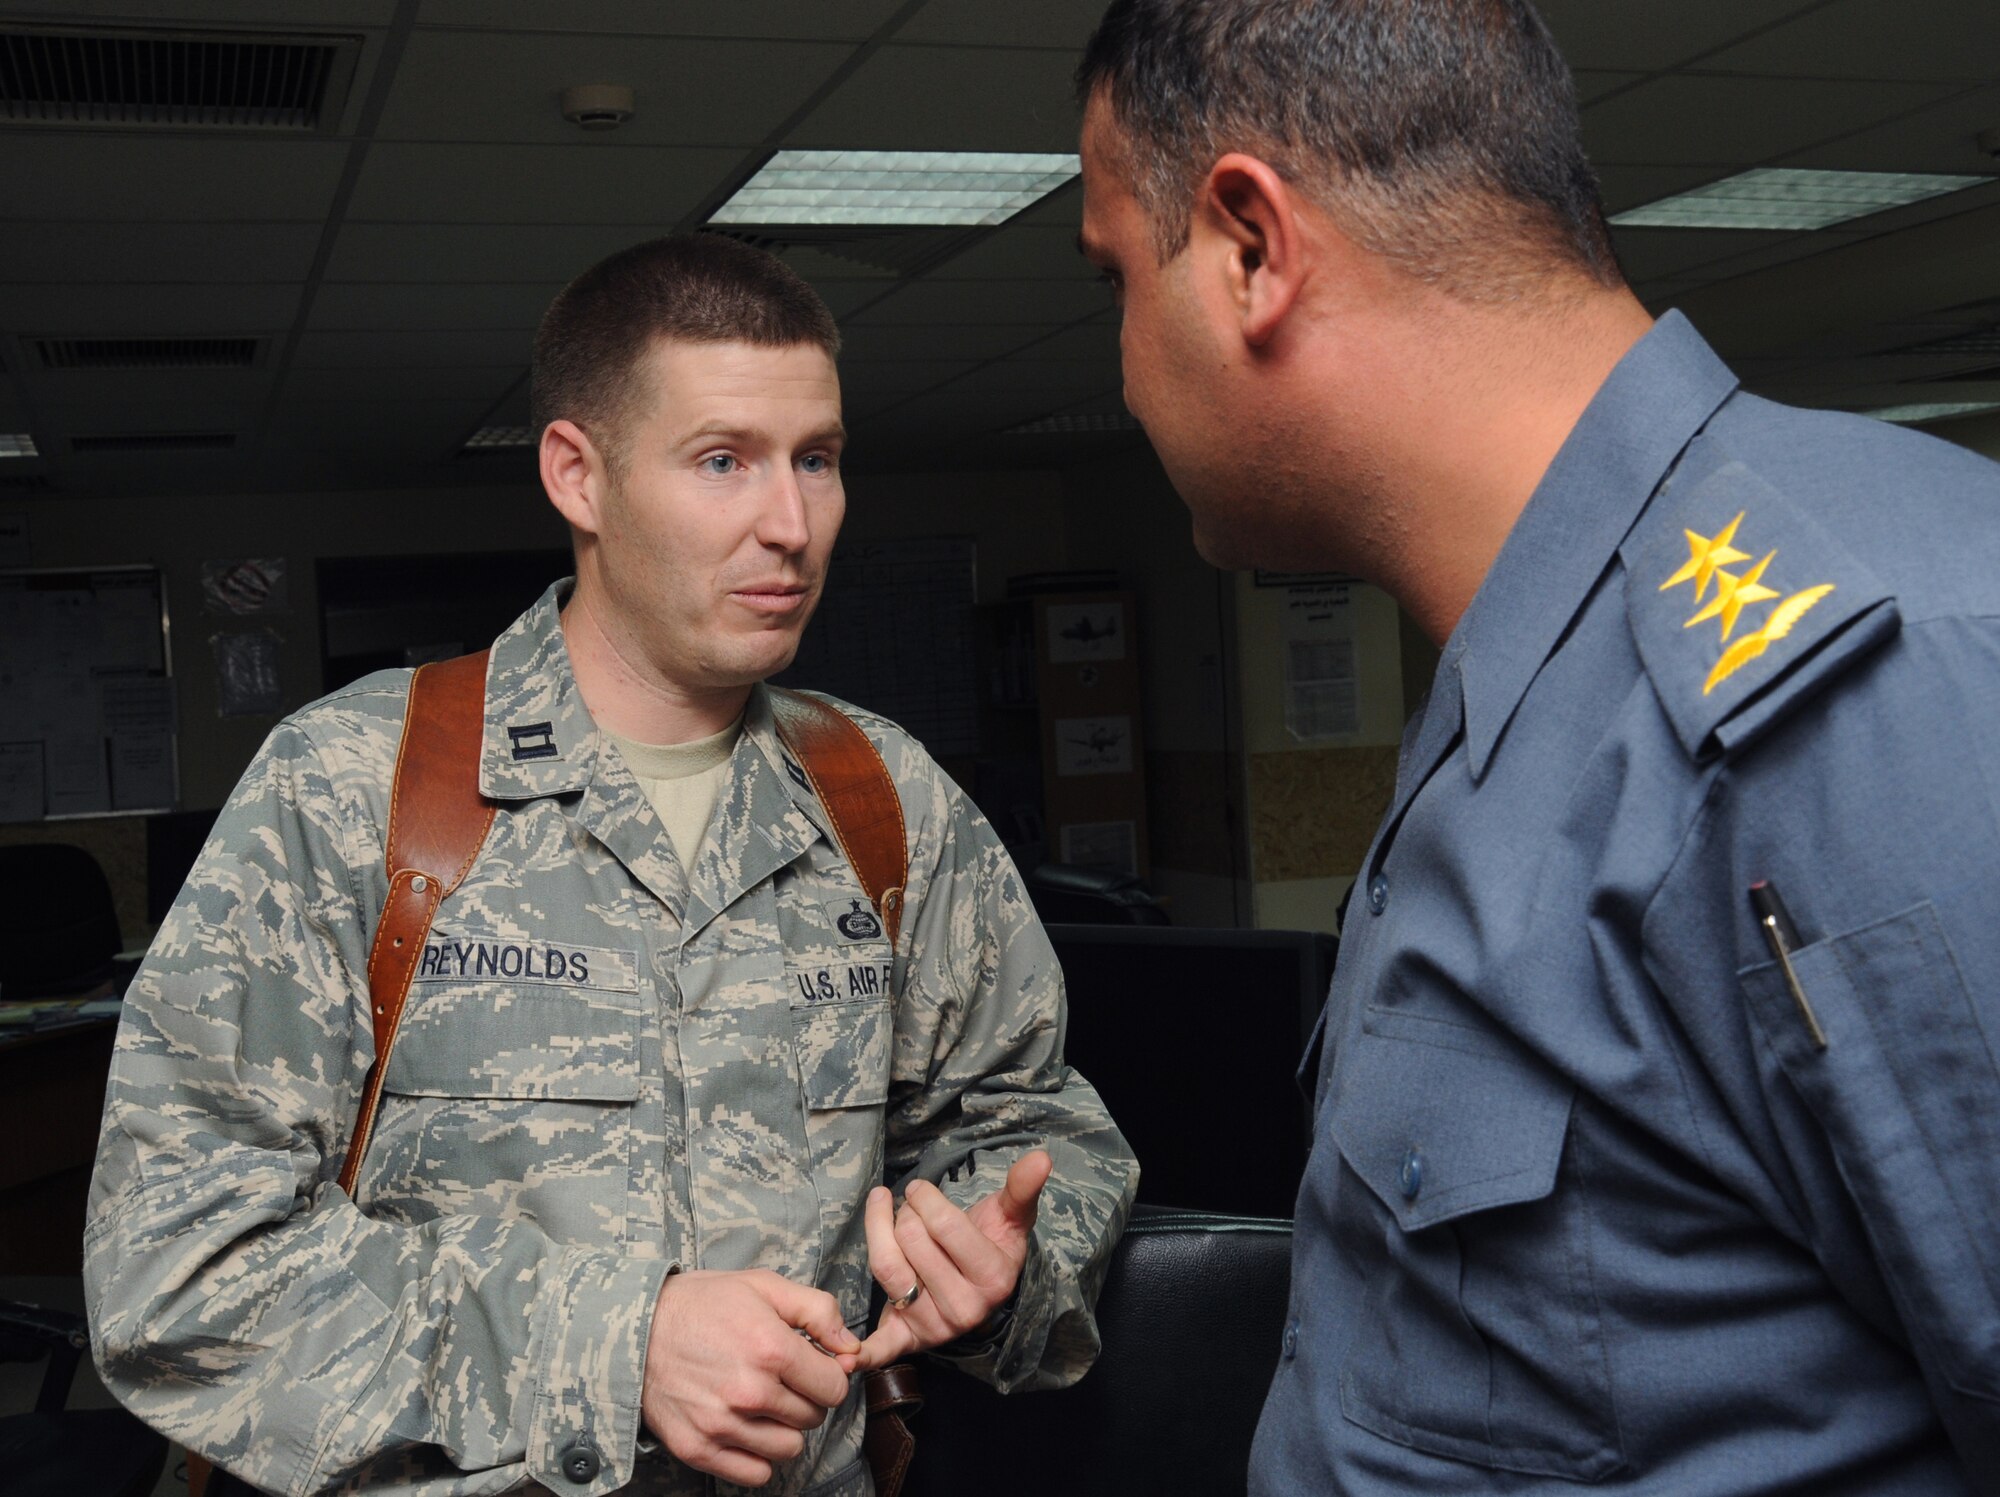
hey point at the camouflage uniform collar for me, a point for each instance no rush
(540, 738)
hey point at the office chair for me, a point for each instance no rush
(1192, 1314)
(53, 1451)
(58, 924)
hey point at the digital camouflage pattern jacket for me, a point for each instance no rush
(608, 1066)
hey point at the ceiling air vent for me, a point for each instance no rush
(148, 353)
(173, 79)
(156, 441)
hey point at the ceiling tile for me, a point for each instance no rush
(472, 252)
(1064, 25)
(1017, 250)
(866, 342)
(375, 304)
(1059, 381)
(1651, 254)
(1865, 280)
(336, 385)
(141, 252)
(1020, 304)
(114, 311)
(1941, 138)
(864, 382)
(1087, 340)
(500, 86)
(1651, 37)
(410, 348)
(1625, 187)
(949, 99)
(1867, 39)
(125, 176)
(74, 391)
(850, 20)
(1692, 121)
(647, 187)
(1592, 86)
(263, 15)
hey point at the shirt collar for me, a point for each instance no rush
(540, 738)
(1643, 416)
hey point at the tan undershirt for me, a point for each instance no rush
(683, 781)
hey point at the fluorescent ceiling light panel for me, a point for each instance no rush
(1786, 198)
(1940, 411)
(960, 188)
(497, 438)
(17, 444)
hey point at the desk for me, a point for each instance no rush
(51, 1100)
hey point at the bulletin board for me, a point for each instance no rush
(893, 634)
(86, 678)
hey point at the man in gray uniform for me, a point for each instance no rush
(1657, 1134)
(658, 1054)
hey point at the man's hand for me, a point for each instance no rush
(730, 1383)
(967, 1261)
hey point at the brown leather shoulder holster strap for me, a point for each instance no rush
(858, 794)
(438, 821)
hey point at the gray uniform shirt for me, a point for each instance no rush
(607, 1066)
(1586, 1203)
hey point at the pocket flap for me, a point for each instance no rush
(844, 1053)
(478, 1040)
(1440, 1119)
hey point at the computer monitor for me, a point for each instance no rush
(1193, 1038)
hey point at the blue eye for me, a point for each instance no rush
(720, 463)
(816, 462)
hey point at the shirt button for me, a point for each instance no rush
(1291, 1340)
(580, 1464)
(1378, 893)
(1411, 1175)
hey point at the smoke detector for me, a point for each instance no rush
(597, 106)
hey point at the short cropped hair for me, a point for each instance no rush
(690, 288)
(1442, 134)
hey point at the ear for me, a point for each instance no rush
(1249, 213)
(574, 475)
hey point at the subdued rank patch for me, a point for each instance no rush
(854, 920)
(847, 983)
(534, 741)
(796, 773)
(558, 964)
(1708, 560)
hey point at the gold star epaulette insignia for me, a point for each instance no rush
(1708, 557)
(1743, 603)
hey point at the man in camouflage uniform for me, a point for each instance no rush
(640, 1105)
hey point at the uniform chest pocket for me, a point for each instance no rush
(1905, 1086)
(1481, 1338)
(512, 1096)
(519, 1019)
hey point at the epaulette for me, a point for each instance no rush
(1743, 606)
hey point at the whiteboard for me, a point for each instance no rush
(87, 678)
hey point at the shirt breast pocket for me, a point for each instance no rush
(1908, 1096)
(843, 1056)
(1480, 1337)
(511, 1099)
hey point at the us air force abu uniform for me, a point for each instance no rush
(1587, 1201)
(606, 1066)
